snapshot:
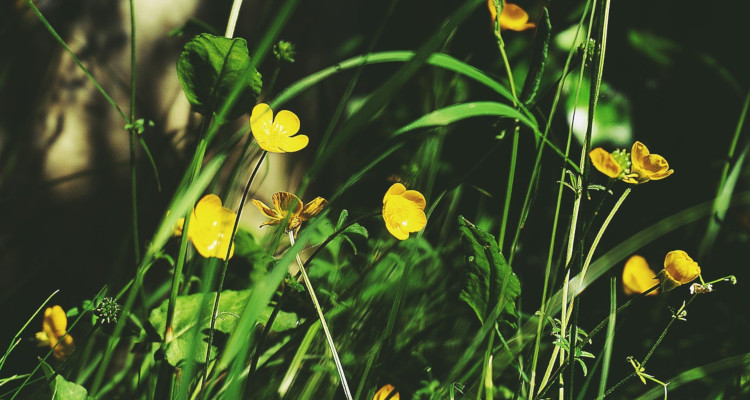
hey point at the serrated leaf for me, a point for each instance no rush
(190, 324)
(64, 390)
(209, 68)
(489, 278)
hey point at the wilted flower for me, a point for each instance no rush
(403, 211)
(638, 277)
(276, 135)
(639, 166)
(54, 328)
(287, 203)
(384, 391)
(210, 228)
(512, 17)
(679, 269)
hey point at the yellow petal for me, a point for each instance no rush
(286, 202)
(637, 276)
(208, 208)
(313, 208)
(514, 18)
(64, 349)
(55, 322)
(395, 190)
(416, 198)
(287, 123)
(211, 227)
(384, 391)
(292, 144)
(262, 126)
(268, 212)
(215, 242)
(681, 267)
(603, 161)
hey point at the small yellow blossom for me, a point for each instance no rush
(285, 203)
(384, 391)
(210, 227)
(276, 135)
(679, 269)
(639, 166)
(646, 166)
(512, 17)
(638, 277)
(54, 327)
(403, 211)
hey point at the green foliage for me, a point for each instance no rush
(191, 324)
(210, 67)
(64, 390)
(489, 278)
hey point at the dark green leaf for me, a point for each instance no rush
(489, 278)
(538, 59)
(210, 66)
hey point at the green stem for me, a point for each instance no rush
(215, 312)
(133, 134)
(316, 304)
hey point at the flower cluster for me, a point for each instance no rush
(639, 166)
(55, 333)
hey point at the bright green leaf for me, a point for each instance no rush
(489, 278)
(210, 66)
(64, 390)
(191, 324)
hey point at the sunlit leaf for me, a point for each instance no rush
(210, 66)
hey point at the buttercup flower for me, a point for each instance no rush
(54, 327)
(282, 205)
(639, 166)
(512, 17)
(679, 269)
(646, 166)
(276, 135)
(637, 276)
(210, 227)
(384, 391)
(403, 211)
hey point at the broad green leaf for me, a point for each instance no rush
(64, 390)
(247, 247)
(489, 278)
(210, 66)
(190, 331)
(538, 59)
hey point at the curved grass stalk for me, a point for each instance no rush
(326, 331)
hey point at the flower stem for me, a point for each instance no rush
(233, 15)
(323, 323)
(215, 312)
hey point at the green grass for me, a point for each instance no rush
(512, 290)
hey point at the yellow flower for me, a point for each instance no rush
(512, 17)
(276, 135)
(210, 228)
(637, 276)
(384, 391)
(679, 269)
(54, 327)
(284, 203)
(639, 166)
(403, 211)
(646, 166)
